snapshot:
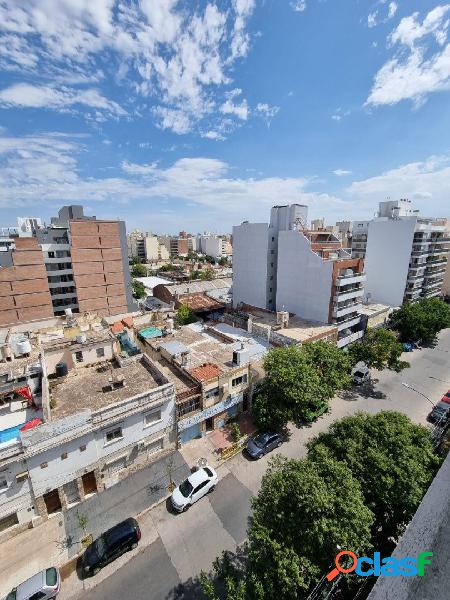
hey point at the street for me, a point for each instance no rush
(185, 544)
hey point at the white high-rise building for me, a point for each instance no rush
(284, 266)
(405, 254)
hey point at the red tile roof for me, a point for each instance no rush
(128, 322)
(206, 371)
(117, 327)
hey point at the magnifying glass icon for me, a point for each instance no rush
(339, 568)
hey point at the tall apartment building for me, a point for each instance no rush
(146, 246)
(405, 254)
(76, 262)
(284, 266)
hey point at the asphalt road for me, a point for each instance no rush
(189, 542)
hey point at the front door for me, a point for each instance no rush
(89, 483)
(209, 424)
(71, 492)
(52, 502)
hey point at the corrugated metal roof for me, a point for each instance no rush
(200, 286)
(174, 348)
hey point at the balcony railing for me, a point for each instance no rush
(345, 309)
(348, 339)
(348, 279)
(343, 296)
(351, 321)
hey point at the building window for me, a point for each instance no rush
(100, 352)
(273, 239)
(113, 435)
(51, 255)
(239, 380)
(8, 521)
(270, 289)
(83, 448)
(64, 455)
(79, 356)
(212, 393)
(152, 418)
(21, 476)
(3, 483)
(153, 447)
(44, 465)
(188, 406)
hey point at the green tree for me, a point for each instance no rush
(303, 510)
(135, 260)
(379, 349)
(210, 259)
(139, 270)
(390, 456)
(195, 274)
(138, 289)
(184, 315)
(421, 320)
(290, 390)
(207, 274)
(223, 261)
(227, 573)
(332, 365)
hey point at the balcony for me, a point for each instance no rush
(344, 295)
(348, 279)
(436, 261)
(432, 284)
(346, 309)
(431, 293)
(347, 323)
(436, 273)
(349, 339)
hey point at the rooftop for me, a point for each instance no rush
(75, 343)
(200, 286)
(300, 330)
(200, 302)
(203, 345)
(90, 387)
(206, 371)
(373, 309)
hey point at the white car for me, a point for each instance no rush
(193, 488)
(45, 585)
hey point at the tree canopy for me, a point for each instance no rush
(379, 349)
(299, 383)
(421, 320)
(184, 315)
(138, 289)
(303, 510)
(139, 270)
(391, 457)
(207, 274)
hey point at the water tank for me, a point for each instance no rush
(68, 312)
(61, 369)
(23, 347)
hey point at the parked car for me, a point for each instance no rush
(116, 541)
(360, 373)
(193, 488)
(446, 397)
(262, 443)
(440, 413)
(45, 585)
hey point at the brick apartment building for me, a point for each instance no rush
(77, 262)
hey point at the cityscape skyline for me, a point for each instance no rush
(224, 110)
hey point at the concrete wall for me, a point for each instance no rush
(250, 259)
(304, 280)
(389, 245)
(213, 246)
(17, 497)
(67, 355)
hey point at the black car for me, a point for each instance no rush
(262, 443)
(440, 413)
(109, 546)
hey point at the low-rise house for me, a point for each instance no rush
(94, 410)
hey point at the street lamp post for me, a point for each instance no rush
(410, 387)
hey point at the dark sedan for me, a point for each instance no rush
(440, 413)
(109, 546)
(262, 443)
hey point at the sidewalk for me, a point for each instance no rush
(57, 540)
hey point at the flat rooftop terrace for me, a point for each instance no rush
(204, 347)
(90, 387)
(298, 329)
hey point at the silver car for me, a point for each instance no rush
(45, 585)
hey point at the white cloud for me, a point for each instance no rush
(266, 111)
(182, 56)
(43, 169)
(426, 183)
(240, 110)
(372, 19)
(32, 96)
(341, 172)
(299, 5)
(340, 114)
(392, 9)
(417, 69)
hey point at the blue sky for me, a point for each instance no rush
(197, 115)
